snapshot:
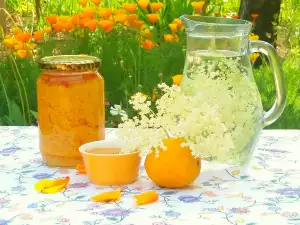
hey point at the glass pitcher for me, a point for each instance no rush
(218, 65)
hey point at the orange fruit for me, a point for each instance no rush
(174, 167)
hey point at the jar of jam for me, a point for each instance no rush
(70, 94)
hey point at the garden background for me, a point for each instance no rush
(139, 44)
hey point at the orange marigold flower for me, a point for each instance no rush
(39, 35)
(175, 37)
(120, 11)
(67, 26)
(16, 30)
(253, 57)
(153, 17)
(132, 17)
(52, 19)
(96, 2)
(177, 79)
(57, 27)
(156, 6)
(148, 44)
(47, 29)
(138, 23)
(20, 46)
(130, 7)
(153, 98)
(254, 15)
(198, 5)
(120, 18)
(235, 17)
(253, 37)
(76, 19)
(217, 14)
(64, 19)
(88, 12)
(83, 21)
(173, 27)
(91, 24)
(143, 3)
(105, 12)
(253, 22)
(23, 37)
(83, 2)
(146, 32)
(106, 25)
(22, 53)
(179, 23)
(9, 42)
(168, 37)
(31, 46)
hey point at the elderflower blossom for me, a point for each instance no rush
(227, 83)
(178, 116)
(116, 110)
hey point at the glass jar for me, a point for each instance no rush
(70, 94)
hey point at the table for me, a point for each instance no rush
(269, 193)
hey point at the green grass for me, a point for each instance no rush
(128, 68)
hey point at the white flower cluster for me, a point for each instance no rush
(176, 116)
(229, 84)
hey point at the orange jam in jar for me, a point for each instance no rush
(70, 95)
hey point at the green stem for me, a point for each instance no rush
(4, 90)
(16, 71)
(8, 14)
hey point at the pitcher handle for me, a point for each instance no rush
(269, 51)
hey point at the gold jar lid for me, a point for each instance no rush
(70, 63)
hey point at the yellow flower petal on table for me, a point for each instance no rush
(109, 196)
(146, 198)
(235, 172)
(46, 186)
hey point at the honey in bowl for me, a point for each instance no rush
(104, 151)
(70, 108)
(106, 165)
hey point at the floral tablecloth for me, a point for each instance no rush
(269, 193)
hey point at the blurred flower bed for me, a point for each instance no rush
(140, 44)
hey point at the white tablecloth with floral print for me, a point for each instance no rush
(269, 193)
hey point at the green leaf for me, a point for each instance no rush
(15, 116)
(35, 114)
